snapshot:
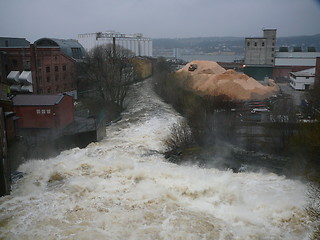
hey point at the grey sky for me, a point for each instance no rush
(34, 19)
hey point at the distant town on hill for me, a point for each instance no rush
(226, 45)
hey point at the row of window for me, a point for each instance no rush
(56, 68)
(43, 111)
(39, 60)
(57, 89)
(56, 78)
(262, 44)
(76, 53)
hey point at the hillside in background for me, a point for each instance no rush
(231, 45)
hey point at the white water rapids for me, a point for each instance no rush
(123, 188)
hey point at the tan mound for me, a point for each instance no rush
(210, 78)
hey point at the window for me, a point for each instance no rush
(255, 44)
(6, 43)
(48, 111)
(76, 53)
(48, 78)
(43, 111)
(40, 91)
(272, 49)
(64, 68)
(39, 80)
(307, 77)
(39, 62)
(38, 111)
(57, 77)
(27, 65)
(248, 44)
(47, 69)
(49, 90)
(262, 44)
(56, 68)
(14, 63)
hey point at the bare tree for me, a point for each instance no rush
(180, 136)
(110, 70)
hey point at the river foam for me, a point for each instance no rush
(122, 188)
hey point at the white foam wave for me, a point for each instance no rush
(122, 188)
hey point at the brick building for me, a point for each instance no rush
(51, 62)
(43, 111)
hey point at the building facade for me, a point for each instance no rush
(302, 80)
(43, 111)
(287, 61)
(259, 55)
(49, 66)
(139, 45)
(261, 51)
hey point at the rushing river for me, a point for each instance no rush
(123, 188)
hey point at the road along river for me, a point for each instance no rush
(123, 188)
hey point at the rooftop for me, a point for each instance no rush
(13, 42)
(305, 73)
(70, 47)
(37, 100)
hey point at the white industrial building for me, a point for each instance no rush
(261, 50)
(302, 80)
(296, 58)
(139, 45)
(290, 61)
(259, 55)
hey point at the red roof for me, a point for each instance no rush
(37, 100)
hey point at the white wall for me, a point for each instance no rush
(299, 83)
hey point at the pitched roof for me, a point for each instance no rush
(37, 100)
(305, 73)
(13, 42)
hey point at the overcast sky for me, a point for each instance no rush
(34, 19)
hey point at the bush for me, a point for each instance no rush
(180, 136)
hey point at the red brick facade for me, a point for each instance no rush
(45, 115)
(52, 71)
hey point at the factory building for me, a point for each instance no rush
(295, 59)
(302, 80)
(139, 45)
(49, 66)
(260, 54)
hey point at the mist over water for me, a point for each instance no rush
(123, 188)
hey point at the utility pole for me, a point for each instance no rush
(114, 47)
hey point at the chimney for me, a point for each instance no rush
(317, 72)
